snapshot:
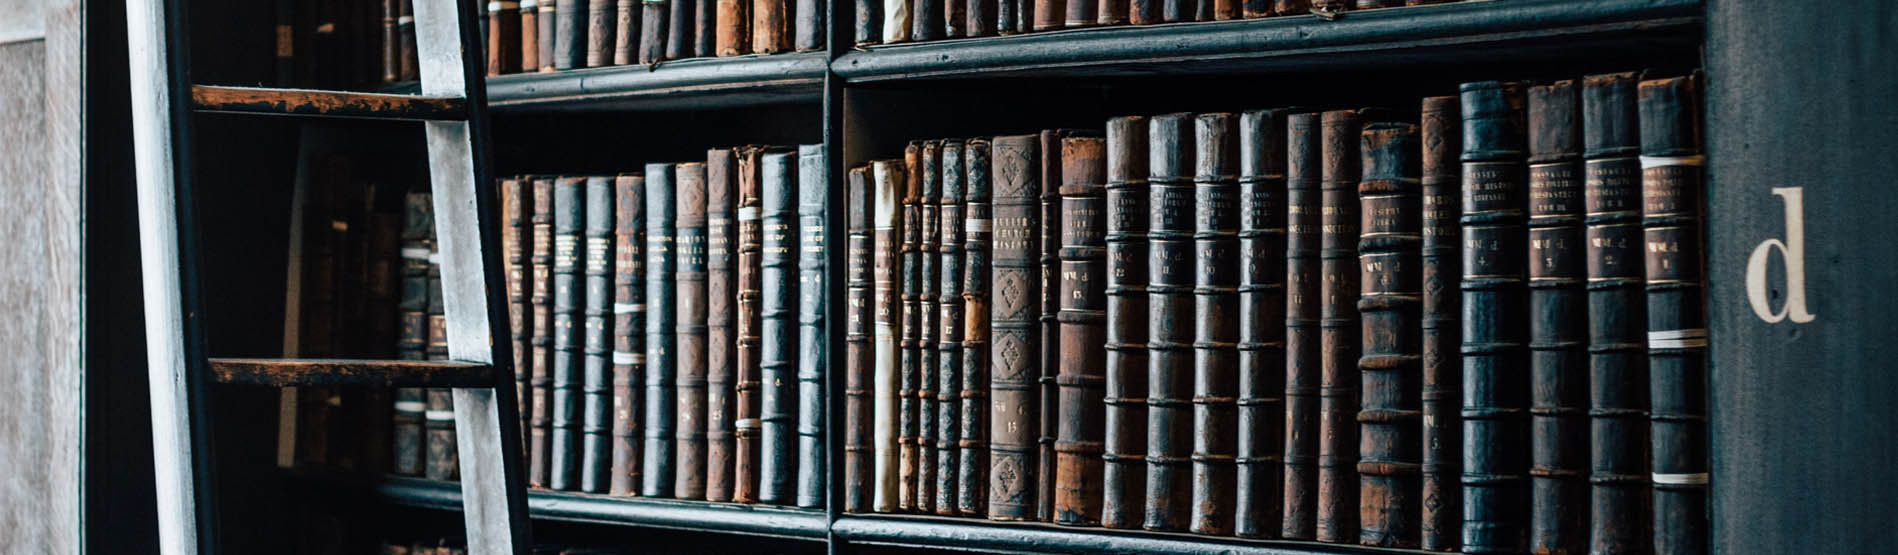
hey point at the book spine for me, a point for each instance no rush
(704, 25)
(1082, 316)
(600, 27)
(778, 350)
(1253, 9)
(656, 472)
(886, 226)
(411, 406)
(809, 29)
(869, 22)
(544, 35)
(405, 26)
(770, 26)
(896, 17)
(1495, 306)
(1008, 14)
(1391, 305)
(515, 229)
(1175, 11)
(680, 29)
(1291, 7)
(596, 416)
(955, 19)
(1302, 207)
(1671, 161)
(625, 32)
(1013, 324)
(629, 320)
(569, 326)
(439, 421)
(689, 387)
(1442, 495)
(1049, 15)
(1144, 12)
(746, 384)
(1050, 243)
(1619, 494)
(391, 42)
(859, 354)
(1123, 477)
(949, 328)
(1338, 325)
(1226, 9)
(652, 31)
(908, 365)
(1261, 346)
(570, 34)
(928, 206)
(503, 35)
(734, 27)
(540, 437)
(926, 19)
(1558, 324)
(1082, 13)
(1215, 330)
(973, 444)
(1331, 6)
(721, 174)
(813, 186)
(1169, 332)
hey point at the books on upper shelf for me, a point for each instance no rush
(905, 21)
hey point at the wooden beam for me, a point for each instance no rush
(393, 373)
(341, 104)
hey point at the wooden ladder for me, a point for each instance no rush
(452, 105)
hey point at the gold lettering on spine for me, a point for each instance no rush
(1793, 252)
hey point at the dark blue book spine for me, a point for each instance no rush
(661, 214)
(596, 381)
(813, 185)
(777, 353)
(569, 215)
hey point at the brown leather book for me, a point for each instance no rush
(1014, 390)
(1672, 195)
(515, 232)
(625, 32)
(1251, 9)
(1259, 479)
(886, 227)
(405, 26)
(629, 328)
(1145, 12)
(600, 28)
(734, 27)
(1330, 6)
(689, 462)
(749, 321)
(1050, 243)
(1302, 208)
(1123, 477)
(704, 23)
(972, 497)
(528, 21)
(721, 184)
(1079, 438)
(1169, 330)
(442, 461)
(1082, 13)
(859, 354)
(909, 365)
(1338, 329)
(1050, 15)
(1391, 304)
(541, 284)
(544, 35)
(770, 26)
(1441, 132)
(1619, 518)
(1215, 329)
(391, 41)
(504, 54)
(1226, 9)
(1291, 7)
(929, 210)
(1558, 323)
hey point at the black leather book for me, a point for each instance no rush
(704, 28)
(1302, 175)
(1014, 323)
(886, 227)
(1124, 476)
(973, 442)
(570, 34)
(1558, 323)
(1080, 433)
(569, 293)
(1050, 309)
(926, 18)
(1671, 195)
(1390, 419)
(1259, 478)
(778, 347)
(411, 404)
(1442, 521)
(540, 437)
(656, 477)
(689, 385)
(1495, 319)
(1619, 517)
(869, 24)
(928, 206)
(955, 18)
(813, 186)
(596, 380)
(681, 28)
(1008, 17)
(1215, 329)
(721, 296)
(1338, 327)
(629, 327)
(910, 363)
(859, 354)
(948, 328)
(1169, 328)
(748, 326)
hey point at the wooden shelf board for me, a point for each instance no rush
(680, 84)
(970, 534)
(672, 514)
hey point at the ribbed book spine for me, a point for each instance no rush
(540, 436)
(909, 365)
(1302, 175)
(1215, 329)
(1082, 379)
(411, 404)
(1338, 326)
(1391, 305)
(625, 32)
(1169, 329)
(1123, 478)
(1671, 196)
(570, 34)
(1558, 324)
(569, 327)
(1259, 479)
(656, 478)
(886, 227)
(652, 31)
(549, 12)
(813, 186)
(629, 321)
(689, 386)
(949, 328)
(1050, 243)
(596, 414)
(516, 230)
(599, 33)
(972, 496)
(859, 354)
(721, 174)
(1619, 520)
(1442, 495)
(749, 324)
(777, 402)
(1013, 321)
(1495, 309)
(928, 207)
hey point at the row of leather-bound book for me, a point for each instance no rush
(1472, 324)
(550, 35)
(898, 21)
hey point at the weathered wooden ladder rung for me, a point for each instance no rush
(386, 373)
(331, 104)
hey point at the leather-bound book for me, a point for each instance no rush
(1226, 9)
(1618, 477)
(955, 16)
(569, 327)
(504, 55)
(1259, 478)
(1558, 324)
(656, 478)
(625, 32)
(748, 323)
(438, 424)
(733, 27)
(1215, 329)
(596, 414)
(909, 366)
(1050, 15)
(859, 355)
(808, 30)
(541, 294)
(973, 439)
(1291, 7)
(1302, 176)
(1330, 6)
(777, 402)
(545, 32)
(886, 228)
(411, 404)
(926, 19)
(405, 26)
(770, 26)
(1050, 243)
(1252, 9)
(896, 21)
(1014, 323)
(1145, 12)
(391, 41)
(1079, 438)
(1169, 324)
(629, 321)
(689, 387)
(1009, 17)
(1124, 472)
(979, 17)
(869, 22)
(652, 31)
(1495, 318)
(1082, 13)
(928, 207)
(948, 328)
(812, 186)
(1110, 12)
(516, 232)
(721, 295)
(570, 34)
(600, 27)
(1338, 327)
(1389, 249)
(704, 23)
(1442, 494)
(681, 29)
(1671, 194)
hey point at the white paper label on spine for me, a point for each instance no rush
(410, 406)
(976, 226)
(1694, 479)
(1662, 161)
(1677, 339)
(441, 415)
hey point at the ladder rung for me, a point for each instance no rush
(339, 104)
(396, 373)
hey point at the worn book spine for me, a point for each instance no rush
(1495, 318)
(770, 26)
(411, 404)
(980, 18)
(949, 328)
(1123, 476)
(1558, 324)
(391, 41)
(1390, 302)
(1618, 476)
(1442, 494)
(721, 174)
(656, 478)
(1174, 11)
(1082, 13)
(1226, 9)
(1169, 330)
(1302, 176)
(681, 29)
(808, 29)
(1050, 308)
(545, 33)
(652, 31)
(410, 68)
(734, 27)
(896, 21)
(1008, 17)
(600, 27)
(869, 22)
(812, 186)
(540, 436)
(749, 321)
(859, 355)
(1671, 161)
(886, 227)
(569, 326)
(625, 32)
(438, 423)
(515, 233)
(1259, 479)
(1338, 325)
(928, 208)
(689, 387)
(1215, 329)
(955, 15)
(1014, 393)
(570, 34)
(1331, 6)
(504, 42)
(1252, 9)
(596, 414)
(926, 19)
(1082, 316)
(908, 366)
(704, 24)
(777, 402)
(629, 321)
(973, 438)
(1049, 15)
(1291, 7)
